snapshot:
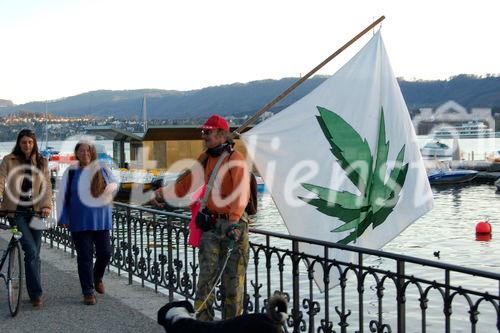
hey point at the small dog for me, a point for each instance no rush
(178, 317)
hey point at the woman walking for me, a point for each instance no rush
(25, 188)
(85, 197)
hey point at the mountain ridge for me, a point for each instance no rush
(247, 98)
(5, 103)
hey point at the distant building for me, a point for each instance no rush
(450, 114)
(159, 148)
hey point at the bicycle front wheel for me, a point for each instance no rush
(14, 279)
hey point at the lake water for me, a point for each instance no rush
(448, 228)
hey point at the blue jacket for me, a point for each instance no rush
(82, 212)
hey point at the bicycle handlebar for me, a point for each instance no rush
(38, 222)
(23, 212)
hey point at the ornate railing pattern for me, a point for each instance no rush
(381, 292)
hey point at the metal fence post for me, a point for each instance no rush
(401, 297)
(295, 292)
(361, 290)
(71, 244)
(447, 302)
(129, 247)
(170, 268)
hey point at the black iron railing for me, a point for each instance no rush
(381, 292)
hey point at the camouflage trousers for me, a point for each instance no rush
(211, 257)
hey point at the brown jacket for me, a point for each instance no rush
(11, 179)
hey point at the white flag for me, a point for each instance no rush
(342, 163)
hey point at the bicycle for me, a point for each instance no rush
(13, 280)
(12, 256)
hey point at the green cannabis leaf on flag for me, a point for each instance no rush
(377, 198)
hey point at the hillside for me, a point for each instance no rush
(5, 103)
(247, 98)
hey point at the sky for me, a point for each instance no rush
(57, 48)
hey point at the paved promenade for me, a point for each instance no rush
(123, 308)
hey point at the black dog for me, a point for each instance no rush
(178, 317)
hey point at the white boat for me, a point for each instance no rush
(436, 149)
(470, 129)
(135, 177)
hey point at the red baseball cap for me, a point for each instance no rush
(214, 122)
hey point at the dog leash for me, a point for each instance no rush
(229, 250)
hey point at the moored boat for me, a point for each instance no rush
(448, 177)
(143, 179)
(130, 179)
(48, 152)
(68, 158)
(436, 149)
(260, 184)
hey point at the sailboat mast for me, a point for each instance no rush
(145, 113)
(46, 127)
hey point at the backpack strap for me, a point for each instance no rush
(251, 207)
(213, 175)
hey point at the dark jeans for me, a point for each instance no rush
(85, 242)
(30, 242)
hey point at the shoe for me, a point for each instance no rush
(99, 287)
(89, 300)
(37, 302)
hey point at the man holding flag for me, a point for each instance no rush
(224, 247)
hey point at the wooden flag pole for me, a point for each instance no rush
(268, 106)
(251, 120)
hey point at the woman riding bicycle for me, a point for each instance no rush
(25, 187)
